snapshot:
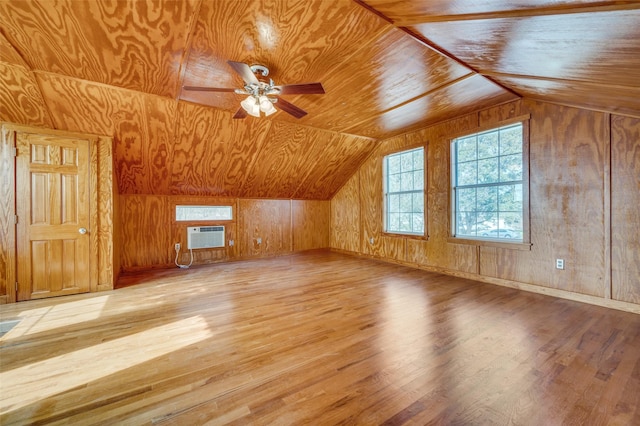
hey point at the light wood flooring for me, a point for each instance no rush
(317, 338)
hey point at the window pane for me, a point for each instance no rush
(511, 140)
(488, 170)
(489, 221)
(488, 145)
(418, 159)
(393, 164)
(466, 223)
(467, 173)
(405, 222)
(511, 225)
(394, 203)
(488, 199)
(466, 149)
(418, 180)
(467, 199)
(407, 181)
(394, 183)
(510, 198)
(192, 213)
(418, 202)
(406, 162)
(418, 223)
(394, 219)
(511, 168)
(405, 203)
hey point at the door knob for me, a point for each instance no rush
(82, 231)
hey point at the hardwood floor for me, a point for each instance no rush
(317, 338)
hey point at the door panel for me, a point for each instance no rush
(53, 206)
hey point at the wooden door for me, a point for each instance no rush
(52, 203)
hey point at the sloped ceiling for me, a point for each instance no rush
(388, 67)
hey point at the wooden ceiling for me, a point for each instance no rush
(388, 67)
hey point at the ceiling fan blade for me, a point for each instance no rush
(301, 89)
(290, 108)
(244, 71)
(241, 113)
(208, 89)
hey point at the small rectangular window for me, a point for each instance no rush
(210, 213)
(488, 178)
(404, 192)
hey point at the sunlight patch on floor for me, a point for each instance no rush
(52, 376)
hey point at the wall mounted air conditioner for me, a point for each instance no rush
(199, 237)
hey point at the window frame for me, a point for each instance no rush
(385, 230)
(525, 244)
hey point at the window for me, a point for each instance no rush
(488, 185)
(193, 213)
(404, 192)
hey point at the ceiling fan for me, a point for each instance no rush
(263, 93)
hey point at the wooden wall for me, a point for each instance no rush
(584, 197)
(625, 208)
(169, 147)
(149, 229)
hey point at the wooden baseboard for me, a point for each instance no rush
(562, 294)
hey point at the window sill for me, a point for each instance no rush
(409, 236)
(492, 243)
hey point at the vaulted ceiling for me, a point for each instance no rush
(388, 67)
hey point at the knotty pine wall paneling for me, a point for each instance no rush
(345, 217)
(268, 221)
(625, 208)
(311, 221)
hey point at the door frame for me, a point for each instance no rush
(101, 223)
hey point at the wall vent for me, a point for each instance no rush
(199, 237)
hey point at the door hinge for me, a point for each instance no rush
(15, 219)
(16, 286)
(14, 151)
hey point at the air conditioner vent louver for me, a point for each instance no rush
(199, 237)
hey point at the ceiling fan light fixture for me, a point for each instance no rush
(266, 106)
(251, 106)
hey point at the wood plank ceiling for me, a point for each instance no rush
(388, 67)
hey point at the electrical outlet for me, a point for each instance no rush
(231, 243)
(177, 247)
(559, 263)
(259, 240)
